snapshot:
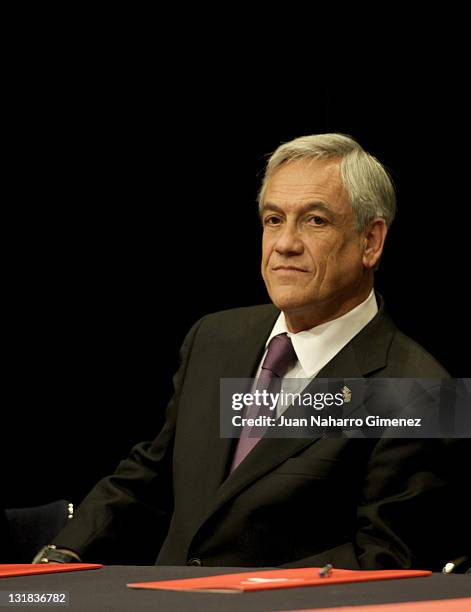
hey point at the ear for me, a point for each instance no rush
(374, 237)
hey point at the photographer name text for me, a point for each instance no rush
(329, 421)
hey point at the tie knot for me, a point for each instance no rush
(281, 356)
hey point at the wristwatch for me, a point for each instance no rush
(52, 554)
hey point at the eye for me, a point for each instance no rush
(317, 221)
(272, 220)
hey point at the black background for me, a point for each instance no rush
(131, 213)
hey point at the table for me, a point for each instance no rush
(105, 590)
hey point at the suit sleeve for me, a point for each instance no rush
(411, 493)
(403, 519)
(125, 518)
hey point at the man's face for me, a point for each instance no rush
(312, 256)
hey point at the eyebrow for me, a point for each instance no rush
(309, 206)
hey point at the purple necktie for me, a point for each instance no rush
(280, 358)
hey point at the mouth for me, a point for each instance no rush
(288, 269)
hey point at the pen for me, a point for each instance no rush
(326, 570)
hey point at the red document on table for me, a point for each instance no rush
(28, 569)
(435, 605)
(275, 579)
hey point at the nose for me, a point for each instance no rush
(288, 241)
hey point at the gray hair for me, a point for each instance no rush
(368, 184)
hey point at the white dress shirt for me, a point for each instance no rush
(315, 347)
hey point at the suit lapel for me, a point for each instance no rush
(364, 354)
(242, 362)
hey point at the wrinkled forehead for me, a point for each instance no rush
(302, 182)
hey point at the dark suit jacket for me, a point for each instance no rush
(356, 503)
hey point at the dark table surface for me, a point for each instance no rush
(105, 589)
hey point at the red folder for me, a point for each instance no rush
(275, 579)
(27, 569)
(435, 605)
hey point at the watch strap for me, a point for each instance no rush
(51, 554)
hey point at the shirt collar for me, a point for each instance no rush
(317, 346)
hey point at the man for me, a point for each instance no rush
(192, 497)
